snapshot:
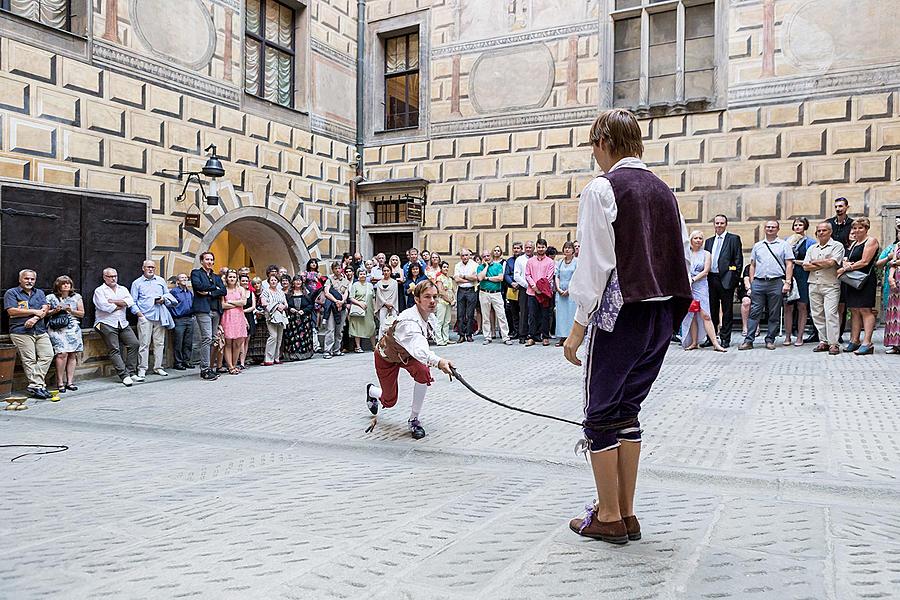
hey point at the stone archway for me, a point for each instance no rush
(269, 238)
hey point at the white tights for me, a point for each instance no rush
(419, 390)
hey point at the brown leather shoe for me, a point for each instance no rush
(633, 527)
(613, 532)
(821, 347)
(746, 346)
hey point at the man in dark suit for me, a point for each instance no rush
(724, 274)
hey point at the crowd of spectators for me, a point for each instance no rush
(223, 320)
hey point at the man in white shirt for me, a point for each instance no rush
(465, 274)
(630, 290)
(111, 300)
(522, 283)
(405, 345)
(149, 294)
(377, 272)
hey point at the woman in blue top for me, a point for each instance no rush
(565, 308)
(416, 276)
(799, 242)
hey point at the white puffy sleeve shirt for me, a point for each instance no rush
(412, 332)
(597, 257)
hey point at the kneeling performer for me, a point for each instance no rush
(405, 344)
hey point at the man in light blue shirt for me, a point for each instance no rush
(149, 293)
(771, 273)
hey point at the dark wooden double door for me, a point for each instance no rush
(70, 233)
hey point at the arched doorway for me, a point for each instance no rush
(255, 237)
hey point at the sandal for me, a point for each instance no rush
(359, 350)
(71, 386)
(234, 371)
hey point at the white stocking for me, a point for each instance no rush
(419, 390)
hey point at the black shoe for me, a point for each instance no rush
(208, 375)
(180, 368)
(40, 393)
(725, 343)
(371, 402)
(416, 429)
(812, 339)
(675, 339)
(707, 344)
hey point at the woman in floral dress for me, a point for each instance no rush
(298, 334)
(67, 342)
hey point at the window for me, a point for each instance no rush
(390, 212)
(54, 13)
(401, 81)
(664, 52)
(269, 52)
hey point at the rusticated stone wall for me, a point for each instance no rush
(799, 119)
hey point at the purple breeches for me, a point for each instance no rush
(620, 369)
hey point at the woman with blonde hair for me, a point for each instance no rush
(433, 269)
(698, 313)
(234, 323)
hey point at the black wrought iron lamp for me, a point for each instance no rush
(213, 169)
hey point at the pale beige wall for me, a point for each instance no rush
(115, 118)
(800, 125)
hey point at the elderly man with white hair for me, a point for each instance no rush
(27, 306)
(151, 296)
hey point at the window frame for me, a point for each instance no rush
(405, 74)
(261, 39)
(643, 11)
(6, 6)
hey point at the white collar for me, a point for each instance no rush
(631, 162)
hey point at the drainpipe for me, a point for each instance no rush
(360, 122)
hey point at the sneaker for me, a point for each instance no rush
(161, 373)
(141, 374)
(507, 342)
(371, 402)
(138, 377)
(416, 429)
(487, 341)
(209, 375)
(127, 381)
(327, 355)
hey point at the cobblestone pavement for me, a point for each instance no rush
(765, 475)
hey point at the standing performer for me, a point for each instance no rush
(405, 344)
(630, 290)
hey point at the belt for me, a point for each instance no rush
(767, 278)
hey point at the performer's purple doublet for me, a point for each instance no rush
(622, 364)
